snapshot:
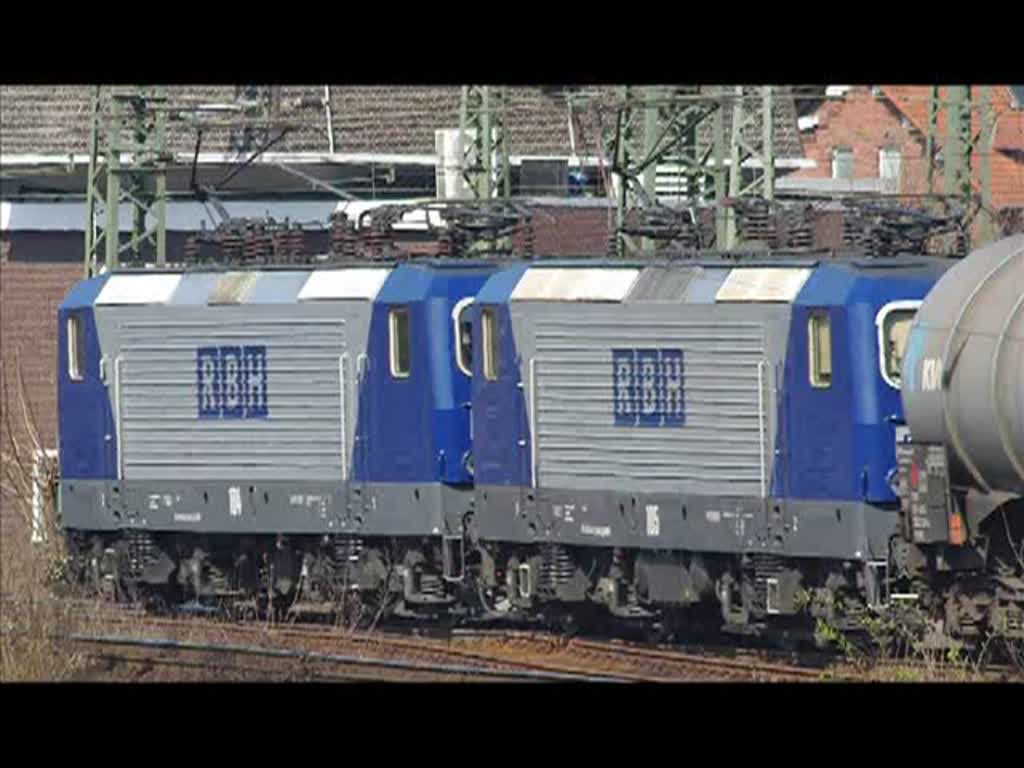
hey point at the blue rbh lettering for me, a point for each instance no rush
(231, 377)
(648, 387)
(207, 382)
(623, 382)
(256, 382)
(231, 382)
(673, 414)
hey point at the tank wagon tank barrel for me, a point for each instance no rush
(963, 372)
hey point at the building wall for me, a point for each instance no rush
(864, 124)
(29, 297)
(571, 230)
(898, 116)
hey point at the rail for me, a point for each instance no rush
(152, 643)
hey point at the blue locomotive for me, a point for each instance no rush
(676, 435)
(655, 439)
(242, 433)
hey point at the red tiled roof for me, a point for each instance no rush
(388, 119)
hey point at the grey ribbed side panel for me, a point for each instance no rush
(723, 444)
(300, 439)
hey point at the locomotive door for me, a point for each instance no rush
(359, 502)
(527, 441)
(115, 447)
(111, 439)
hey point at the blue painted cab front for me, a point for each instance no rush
(414, 404)
(87, 438)
(837, 441)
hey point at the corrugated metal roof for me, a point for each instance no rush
(554, 284)
(232, 287)
(138, 289)
(763, 284)
(358, 283)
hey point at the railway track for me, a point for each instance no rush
(503, 649)
(663, 664)
(314, 639)
(357, 665)
(524, 650)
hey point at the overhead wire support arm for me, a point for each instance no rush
(319, 183)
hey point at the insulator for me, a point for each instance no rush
(230, 242)
(191, 249)
(529, 239)
(339, 233)
(297, 243)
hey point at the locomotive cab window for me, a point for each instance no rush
(894, 321)
(76, 347)
(819, 335)
(492, 348)
(463, 335)
(400, 343)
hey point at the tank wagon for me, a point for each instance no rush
(962, 466)
(247, 434)
(709, 434)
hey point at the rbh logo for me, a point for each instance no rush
(648, 387)
(232, 382)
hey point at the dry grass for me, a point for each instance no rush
(32, 619)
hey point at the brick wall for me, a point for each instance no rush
(29, 297)
(866, 123)
(570, 230)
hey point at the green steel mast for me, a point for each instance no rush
(127, 166)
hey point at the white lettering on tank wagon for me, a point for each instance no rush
(604, 531)
(931, 373)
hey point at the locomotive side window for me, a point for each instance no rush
(894, 321)
(463, 335)
(400, 343)
(76, 347)
(819, 335)
(492, 349)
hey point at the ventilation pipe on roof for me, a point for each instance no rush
(330, 119)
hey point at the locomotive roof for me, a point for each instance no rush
(357, 281)
(707, 281)
(364, 280)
